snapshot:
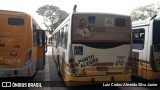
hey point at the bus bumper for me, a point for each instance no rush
(89, 80)
(149, 75)
(27, 70)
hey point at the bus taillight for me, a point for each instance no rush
(129, 61)
(72, 67)
(28, 56)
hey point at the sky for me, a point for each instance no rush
(123, 7)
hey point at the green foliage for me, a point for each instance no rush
(52, 16)
(144, 12)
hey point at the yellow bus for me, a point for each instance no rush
(89, 48)
(146, 49)
(22, 45)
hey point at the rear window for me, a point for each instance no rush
(16, 21)
(120, 22)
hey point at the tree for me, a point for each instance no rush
(144, 12)
(52, 16)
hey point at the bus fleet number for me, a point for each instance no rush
(119, 63)
(12, 61)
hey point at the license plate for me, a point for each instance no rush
(101, 78)
(101, 68)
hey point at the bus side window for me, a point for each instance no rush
(156, 32)
(138, 38)
(61, 36)
(58, 39)
(55, 40)
(34, 35)
(65, 37)
(156, 35)
(40, 39)
(35, 38)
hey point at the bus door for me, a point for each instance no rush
(41, 39)
(138, 49)
(155, 51)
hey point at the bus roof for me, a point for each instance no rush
(100, 13)
(83, 13)
(18, 13)
(140, 23)
(9, 12)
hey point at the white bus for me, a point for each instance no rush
(93, 47)
(146, 49)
